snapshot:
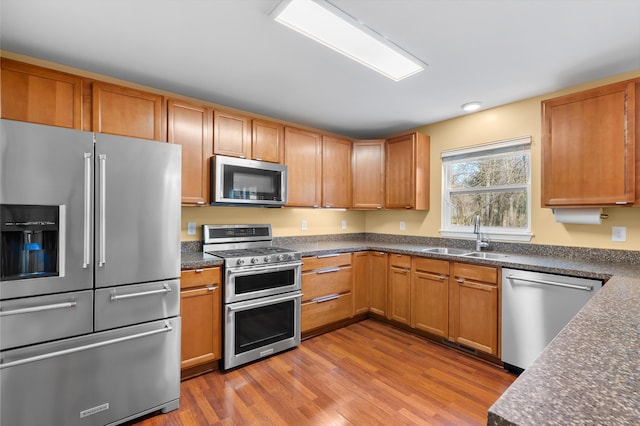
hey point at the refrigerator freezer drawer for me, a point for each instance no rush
(134, 304)
(98, 379)
(31, 320)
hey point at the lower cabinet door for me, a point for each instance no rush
(201, 328)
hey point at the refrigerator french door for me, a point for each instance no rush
(89, 267)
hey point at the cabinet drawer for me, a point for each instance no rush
(325, 261)
(400, 260)
(328, 281)
(435, 266)
(316, 314)
(199, 277)
(487, 274)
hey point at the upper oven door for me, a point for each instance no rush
(250, 282)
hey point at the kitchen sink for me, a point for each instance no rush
(446, 250)
(485, 255)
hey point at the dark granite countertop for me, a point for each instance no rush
(589, 374)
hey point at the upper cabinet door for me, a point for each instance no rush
(336, 172)
(231, 134)
(368, 174)
(588, 147)
(303, 157)
(127, 112)
(191, 126)
(267, 141)
(407, 172)
(39, 95)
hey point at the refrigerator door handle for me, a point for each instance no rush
(86, 252)
(102, 225)
(167, 327)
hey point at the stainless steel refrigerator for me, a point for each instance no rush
(89, 276)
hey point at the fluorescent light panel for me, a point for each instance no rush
(330, 26)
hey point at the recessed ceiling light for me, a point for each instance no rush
(471, 106)
(330, 26)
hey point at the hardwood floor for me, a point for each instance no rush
(368, 373)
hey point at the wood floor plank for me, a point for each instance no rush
(367, 373)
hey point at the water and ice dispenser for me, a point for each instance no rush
(30, 241)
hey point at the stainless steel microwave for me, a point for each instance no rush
(243, 182)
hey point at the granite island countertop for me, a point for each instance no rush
(588, 375)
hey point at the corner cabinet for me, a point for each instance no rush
(200, 309)
(127, 112)
(368, 172)
(40, 95)
(191, 126)
(303, 157)
(407, 172)
(473, 307)
(589, 147)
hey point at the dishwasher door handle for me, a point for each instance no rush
(551, 283)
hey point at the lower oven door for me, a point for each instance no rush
(250, 282)
(261, 327)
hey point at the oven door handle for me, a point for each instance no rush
(270, 301)
(254, 270)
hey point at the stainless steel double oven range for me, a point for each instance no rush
(262, 292)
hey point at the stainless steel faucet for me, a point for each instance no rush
(480, 243)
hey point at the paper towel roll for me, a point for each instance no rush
(582, 216)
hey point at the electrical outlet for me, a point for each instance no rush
(344, 224)
(403, 226)
(303, 225)
(191, 228)
(618, 233)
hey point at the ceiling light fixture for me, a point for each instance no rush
(471, 106)
(328, 25)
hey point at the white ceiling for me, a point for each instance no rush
(231, 52)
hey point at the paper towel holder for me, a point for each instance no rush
(585, 216)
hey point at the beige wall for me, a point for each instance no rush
(509, 121)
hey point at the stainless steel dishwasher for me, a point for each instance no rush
(535, 307)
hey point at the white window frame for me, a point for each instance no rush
(477, 152)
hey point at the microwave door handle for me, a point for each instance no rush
(103, 198)
(86, 251)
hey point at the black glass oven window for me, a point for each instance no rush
(264, 281)
(263, 326)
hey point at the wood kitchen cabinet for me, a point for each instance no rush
(127, 112)
(190, 125)
(40, 95)
(589, 147)
(407, 172)
(473, 307)
(303, 157)
(430, 296)
(267, 141)
(378, 285)
(327, 283)
(231, 134)
(399, 288)
(336, 172)
(200, 309)
(361, 282)
(368, 173)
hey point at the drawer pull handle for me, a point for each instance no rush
(199, 271)
(460, 280)
(441, 277)
(167, 327)
(212, 288)
(324, 256)
(326, 271)
(38, 308)
(326, 298)
(164, 290)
